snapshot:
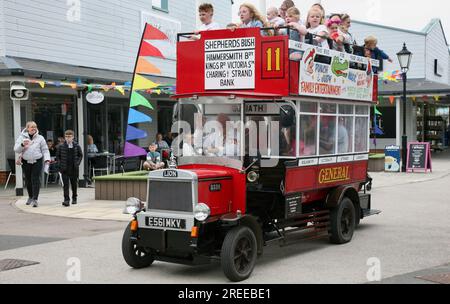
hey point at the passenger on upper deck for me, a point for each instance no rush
(372, 51)
(337, 40)
(273, 18)
(206, 13)
(297, 32)
(287, 4)
(344, 31)
(251, 17)
(318, 30)
(321, 9)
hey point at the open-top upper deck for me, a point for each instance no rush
(245, 63)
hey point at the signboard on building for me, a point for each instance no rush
(419, 157)
(333, 74)
(95, 97)
(230, 64)
(392, 159)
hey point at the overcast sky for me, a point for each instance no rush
(407, 14)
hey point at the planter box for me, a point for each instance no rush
(119, 187)
(376, 163)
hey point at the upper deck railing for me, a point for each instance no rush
(245, 63)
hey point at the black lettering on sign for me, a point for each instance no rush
(170, 173)
(215, 187)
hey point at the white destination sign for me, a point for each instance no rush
(230, 64)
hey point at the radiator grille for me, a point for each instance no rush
(170, 196)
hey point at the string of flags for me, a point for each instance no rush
(154, 44)
(382, 100)
(122, 89)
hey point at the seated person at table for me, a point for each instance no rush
(153, 159)
(51, 148)
(91, 147)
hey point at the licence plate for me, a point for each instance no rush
(163, 222)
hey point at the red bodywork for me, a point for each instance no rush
(232, 196)
(314, 182)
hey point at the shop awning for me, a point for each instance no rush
(414, 87)
(14, 66)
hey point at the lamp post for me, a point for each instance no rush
(404, 58)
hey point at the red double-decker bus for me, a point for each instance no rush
(296, 165)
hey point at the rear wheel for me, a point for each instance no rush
(135, 256)
(239, 252)
(343, 222)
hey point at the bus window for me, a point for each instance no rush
(327, 140)
(308, 135)
(345, 134)
(308, 107)
(361, 133)
(362, 110)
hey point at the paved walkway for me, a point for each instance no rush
(50, 201)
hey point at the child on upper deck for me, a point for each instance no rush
(317, 30)
(297, 32)
(251, 17)
(337, 40)
(205, 14)
(372, 51)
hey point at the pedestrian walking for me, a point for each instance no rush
(69, 156)
(33, 151)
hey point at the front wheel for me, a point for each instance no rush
(135, 256)
(343, 222)
(239, 251)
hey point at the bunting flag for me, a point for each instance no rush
(134, 133)
(131, 150)
(139, 100)
(376, 111)
(145, 67)
(137, 117)
(391, 99)
(121, 90)
(425, 98)
(142, 83)
(436, 98)
(148, 50)
(42, 84)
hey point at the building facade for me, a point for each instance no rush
(48, 44)
(428, 82)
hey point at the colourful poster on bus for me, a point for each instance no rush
(328, 73)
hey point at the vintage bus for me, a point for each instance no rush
(297, 165)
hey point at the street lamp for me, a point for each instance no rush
(404, 58)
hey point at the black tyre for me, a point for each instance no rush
(134, 255)
(239, 252)
(343, 222)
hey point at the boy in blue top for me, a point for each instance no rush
(153, 159)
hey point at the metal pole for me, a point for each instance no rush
(82, 138)
(404, 137)
(17, 131)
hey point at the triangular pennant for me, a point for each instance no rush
(414, 98)
(425, 98)
(376, 111)
(152, 33)
(149, 50)
(139, 100)
(131, 150)
(142, 83)
(166, 48)
(137, 117)
(120, 89)
(134, 133)
(42, 84)
(145, 67)
(392, 99)
(436, 98)
(73, 85)
(89, 87)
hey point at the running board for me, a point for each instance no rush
(370, 212)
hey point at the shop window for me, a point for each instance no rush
(327, 140)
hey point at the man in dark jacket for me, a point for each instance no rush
(69, 156)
